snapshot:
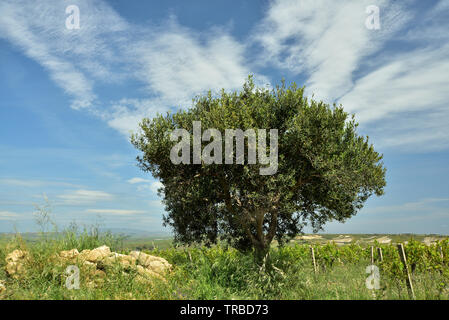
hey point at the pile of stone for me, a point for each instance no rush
(15, 263)
(100, 260)
(2, 287)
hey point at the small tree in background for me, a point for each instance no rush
(325, 170)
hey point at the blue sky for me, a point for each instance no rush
(70, 97)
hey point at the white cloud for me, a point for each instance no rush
(426, 202)
(144, 184)
(402, 102)
(399, 97)
(8, 215)
(325, 40)
(176, 64)
(172, 63)
(425, 215)
(126, 114)
(120, 212)
(408, 83)
(422, 206)
(155, 186)
(79, 197)
(72, 57)
(156, 203)
(137, 180)
(34, 183)
(22, 183)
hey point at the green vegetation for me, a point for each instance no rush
(222, 272)
(323, 170)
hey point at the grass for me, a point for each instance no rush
(218, 272)
(200, 273)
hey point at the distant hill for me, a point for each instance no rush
(129, 233)
(135, 233)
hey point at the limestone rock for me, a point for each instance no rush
(89, 264)
(124, 260)
(95, 255)
(69, 254)
(15, 263)
(146, 275)
(96, 263)
(16, 256)
(83, 255)
(158, 266)
(153, 263)
(2, 287)
(15, 269)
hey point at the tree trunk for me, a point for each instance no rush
(260, 252)
(261, 241)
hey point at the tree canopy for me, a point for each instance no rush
(325, 170)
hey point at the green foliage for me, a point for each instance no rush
(222, 272)
(326, 171)
(88, 238)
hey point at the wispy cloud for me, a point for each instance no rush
(427, 215)
(22, 183)
(137, 180)
(145, 185)
(72, 57)
(120, 212)
(126, 114)
(401, 90)
(155, 186)
(399, 96)
(34, 183)
(178, 63)
(323, 40)
(172, 63)
(8, 215)
(422, 206)
(402, 102)
(175, 64)
(81, 197)
(156, 203)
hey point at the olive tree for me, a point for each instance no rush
(324, 170)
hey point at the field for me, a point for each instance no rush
(221, 272)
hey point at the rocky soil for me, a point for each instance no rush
(98, 262)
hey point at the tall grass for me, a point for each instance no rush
(207, 273)
(219, 272)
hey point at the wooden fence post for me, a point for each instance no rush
(408, 279)
(442, 259)
(372, 255)
(379, 252)
(313, 259)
